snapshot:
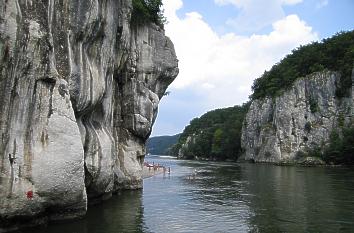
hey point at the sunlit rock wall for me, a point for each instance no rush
(302, 118)
(79, 92)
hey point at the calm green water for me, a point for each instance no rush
(227, 198)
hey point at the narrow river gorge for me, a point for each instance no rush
(226, 197)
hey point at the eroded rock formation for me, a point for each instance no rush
(302, 118)
(79, 91)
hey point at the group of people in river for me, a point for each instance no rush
(157, 170)
(156, 167)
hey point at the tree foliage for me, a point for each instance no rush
(145, 11)
(216, 135)
(341, 148)
(336, 54)
(161, 145)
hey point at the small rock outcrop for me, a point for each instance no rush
(80, 86)
(303, 117)
(185, 146)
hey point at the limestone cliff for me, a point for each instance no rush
(79, 90)
(303, 117)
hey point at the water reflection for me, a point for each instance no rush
(220, 192)
(296, 199)
(225, 197)
(123, 213)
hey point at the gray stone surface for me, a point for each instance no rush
(302, 117)
(79, 92)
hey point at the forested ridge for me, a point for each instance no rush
(335, 54)
(161, 145)
(216, 135)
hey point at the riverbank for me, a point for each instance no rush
(310, 161)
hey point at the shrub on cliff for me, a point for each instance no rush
(335, 53)
(341, 148)
(148, 11)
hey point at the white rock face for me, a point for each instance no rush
(79, 92)
(303, 117)
(184, 147)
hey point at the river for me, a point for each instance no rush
(224, 197)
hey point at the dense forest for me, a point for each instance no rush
(216, 135)
(335, 54)
(161, 145)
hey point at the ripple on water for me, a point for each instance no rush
(227, 198)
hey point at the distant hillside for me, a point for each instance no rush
(214, 136)
(160, 145)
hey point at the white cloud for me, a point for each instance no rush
(221, 69)
(321, 4)
(255, 15)
(238, 3)
(291, 2)
(242, 3)
(208, 86)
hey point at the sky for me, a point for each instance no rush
(223, 45)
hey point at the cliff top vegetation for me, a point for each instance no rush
(145, 11)
(335, 54)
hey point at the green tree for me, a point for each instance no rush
(216, 135)
(145, 11)
(341, 147)
(217, 140)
